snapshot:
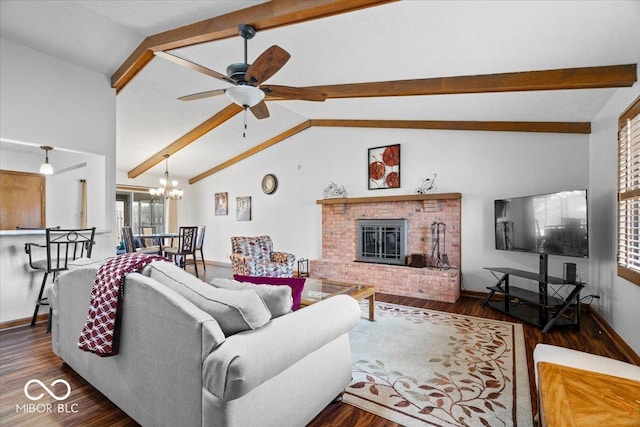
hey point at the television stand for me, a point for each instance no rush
(537, 308)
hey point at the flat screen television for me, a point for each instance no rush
(552, 224)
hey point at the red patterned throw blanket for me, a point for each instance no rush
(102, 329)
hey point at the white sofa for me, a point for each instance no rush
(176, 367)
(581, 360)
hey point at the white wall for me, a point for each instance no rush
(46, 101)
(620, 302)
(63, 191)
(483, 166)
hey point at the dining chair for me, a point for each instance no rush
(148, 242)
(130, 243)
(61, 246)
(199, 245)
(187, 240)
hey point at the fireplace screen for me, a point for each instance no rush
(382, 241)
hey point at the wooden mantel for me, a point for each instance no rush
(401, 198)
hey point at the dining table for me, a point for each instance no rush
(161, 238)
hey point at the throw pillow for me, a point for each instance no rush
(295, 283)
(235, 311)
(277, 298)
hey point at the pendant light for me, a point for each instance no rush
(168, 188)
(46, 168)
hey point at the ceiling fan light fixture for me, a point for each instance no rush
(46, 168)
(244, 95)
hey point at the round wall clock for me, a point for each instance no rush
(269, 183)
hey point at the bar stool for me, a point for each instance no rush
(61, 247)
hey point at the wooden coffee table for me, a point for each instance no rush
(575, 397)
(318, 289)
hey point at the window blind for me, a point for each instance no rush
(629, 193)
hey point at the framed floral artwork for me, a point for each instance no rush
(384, 167)
(243, 208)
(220, 203)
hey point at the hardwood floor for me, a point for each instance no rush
(25, 353)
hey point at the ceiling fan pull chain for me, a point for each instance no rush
(244, 131)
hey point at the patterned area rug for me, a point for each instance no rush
(421, 367)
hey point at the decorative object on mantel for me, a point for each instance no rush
(269, 183)
(243, 208)
(440, 260)
(221, 204)
(428, 185)
(333, 191)
(168, 188)
(46, 168)
(384, 167)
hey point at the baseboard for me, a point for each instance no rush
(473, 294)
(23, 322)
(620, 344)
(218, 263)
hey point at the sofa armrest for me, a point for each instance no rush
(250, 358)
(242, 264)
(283, 257)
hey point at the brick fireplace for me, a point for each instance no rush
(339, 244)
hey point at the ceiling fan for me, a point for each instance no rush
(248, 88)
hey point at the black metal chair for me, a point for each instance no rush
(187, 239)
(62, 246)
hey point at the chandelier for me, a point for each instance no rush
(168, 189)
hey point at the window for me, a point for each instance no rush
(629, 193)
(135, 207)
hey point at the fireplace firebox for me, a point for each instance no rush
(382, 241)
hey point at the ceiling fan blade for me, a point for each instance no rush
(193, 66)
(289, 92)
(201, 95)
(266, 65)
(260, 110)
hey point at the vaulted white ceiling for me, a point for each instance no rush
(407, 39)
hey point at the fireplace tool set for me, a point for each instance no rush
(440, 260)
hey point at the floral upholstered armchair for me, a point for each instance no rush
(254, 256)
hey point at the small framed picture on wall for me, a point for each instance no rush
(243, 208)
(221, 205)
(384, 167)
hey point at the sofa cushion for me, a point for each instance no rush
(235, 311)
(277, 298)
(295, 283)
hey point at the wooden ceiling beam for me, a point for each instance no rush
(561, 79)
(273, 14)
(186, 139)
(495, 126)
(551, 127)
(263, 146)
